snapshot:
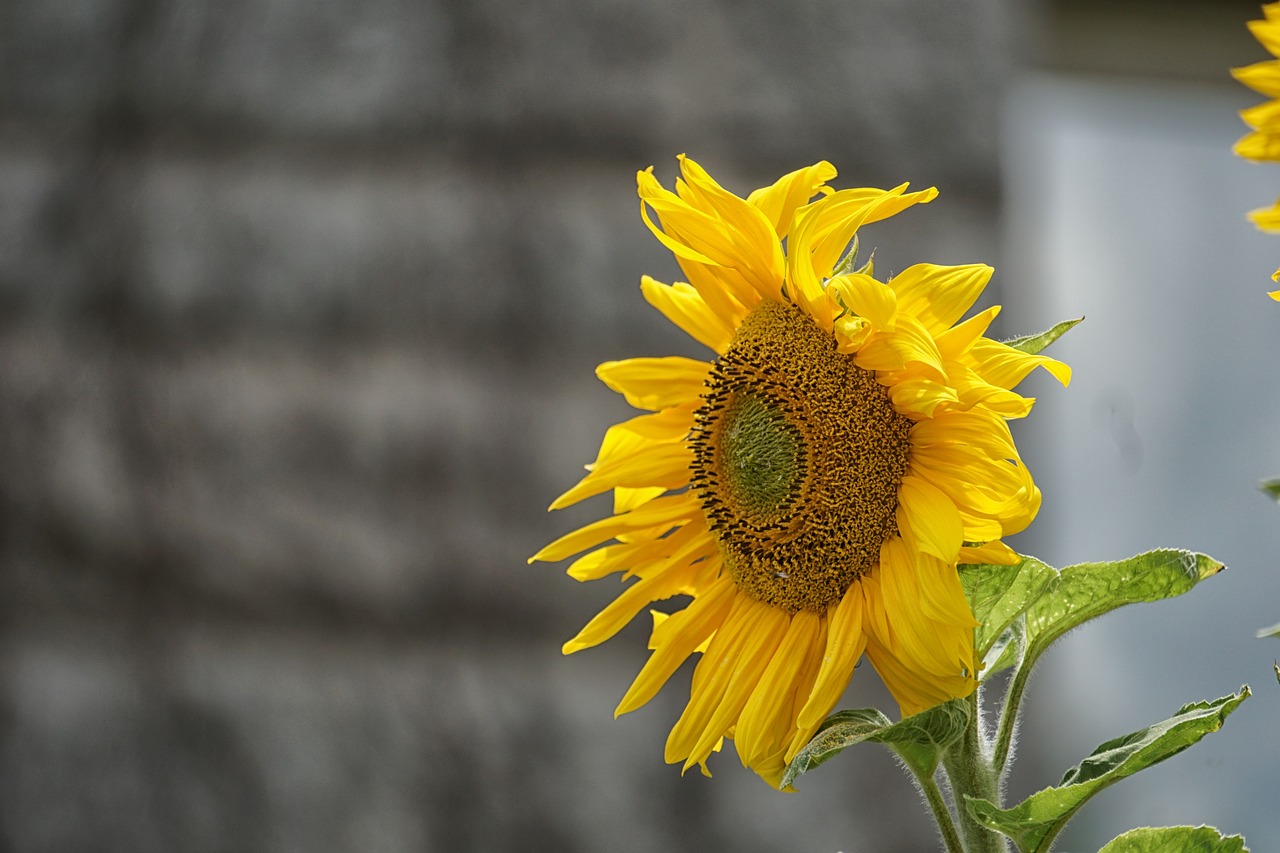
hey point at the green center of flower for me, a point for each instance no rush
(760, 455)
(798, 458)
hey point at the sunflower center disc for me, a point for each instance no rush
(798, 457)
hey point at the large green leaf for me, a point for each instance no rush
(919, 740)
(1037, 820)
(998, 595)
(1034, 343)
(1088, 590)
(1176, 839)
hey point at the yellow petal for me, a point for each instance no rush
(1262, 77)
(1004, 366)
(656, 383)
(939, 295)
(866, 297)
(736, 656)
(1267, 33)
(928, 519)
(623, 556)
(1266, 218)
(626, 499)
(914, 691)
(681, 635)
(921, 398)
(667, 511)
(681, 304)
(710, 225)
(766, 722)
(956, 341)
(994, 553)
(663, 464)
(671, 581)
(1263, 115)
(1261, 145)
(975, 392)
(923, 660)
(845, 641)
(624, 439)
(748, 668)
(824, 229)
(909, 344)
(780, 201)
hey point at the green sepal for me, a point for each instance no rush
(998, 595)
(1175, 839)
(1273, 631)
(1036, 821)
(1088, 590)
(919, 740)
(1271, 487)
(1032, 344)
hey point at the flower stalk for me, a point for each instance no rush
(972, 773)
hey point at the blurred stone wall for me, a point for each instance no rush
(299, 304)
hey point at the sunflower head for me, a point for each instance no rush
(809, 490)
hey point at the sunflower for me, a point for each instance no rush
(812, 488)
(1263, 142)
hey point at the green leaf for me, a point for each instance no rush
(1176, 839)
(1088, 590)
(1037, 820)
(1271, 487)
(1273, 631)
(998, 595)
(1032, 344)
(919, 740)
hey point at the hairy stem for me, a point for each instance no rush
(941, 814)
(971, 772)
(1009, 719)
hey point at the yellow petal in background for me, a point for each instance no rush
(1267, 33)
(1266, 218)
(1263, 77)
(1258, 145)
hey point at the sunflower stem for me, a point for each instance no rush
(971, 772)
(1009, 719)
(941, 813)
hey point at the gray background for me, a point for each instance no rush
(299, 305)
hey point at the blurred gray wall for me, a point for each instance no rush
(299, 305)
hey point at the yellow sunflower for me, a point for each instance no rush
(1263, 142)
(812, 487)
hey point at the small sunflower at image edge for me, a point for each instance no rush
(806, 494)
(1262, 143)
